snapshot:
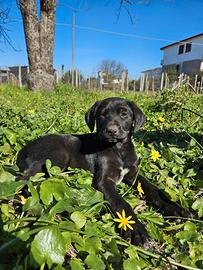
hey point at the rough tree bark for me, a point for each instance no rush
(39, 36)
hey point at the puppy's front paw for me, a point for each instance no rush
(138, 235)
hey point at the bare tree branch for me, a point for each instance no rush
(127, 6)
(4, 30)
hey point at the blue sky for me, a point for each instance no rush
(159, 19)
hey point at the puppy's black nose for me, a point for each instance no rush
(112, 130)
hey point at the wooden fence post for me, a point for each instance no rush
(201, 84)
(142, 83)
(162, 80)
(153, 84)
(62, 72)
(76, 78)
(195, 84)
(89, 82)
(147, 83)
(56, 75)
(127, 81)
(122, 81)
(79, 79)
(134, 85)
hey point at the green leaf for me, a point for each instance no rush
(6, 176)
(92, 244)
(48, 164)
(49, 247)
(91, 229)
(10, 135)
(89, 196)
(62, 206)
(55, 170)
(198, 205)
(33, 203)
(76, 264)
(52, 188)
(95, 262)
(190, 226)
(152, 217)
(154, 231)
(79, 219)
(187, 236)
(135, 264)
(8, 189)
(6, 148)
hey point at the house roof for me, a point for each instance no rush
(156, 69)
(4, 68)
(181, 41)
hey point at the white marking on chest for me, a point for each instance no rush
(123, 172)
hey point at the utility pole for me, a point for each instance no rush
(73, 47)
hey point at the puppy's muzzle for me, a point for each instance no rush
(112, 131)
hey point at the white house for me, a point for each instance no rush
(184, 56)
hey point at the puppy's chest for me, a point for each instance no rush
(122, 173)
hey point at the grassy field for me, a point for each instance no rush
(54, 230)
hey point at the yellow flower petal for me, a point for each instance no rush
(130, 227)
(117, 220)
(120, 225)
(155, 155)
(128, 217)
(139, 189)
(123, 213)
(23, 200)
(119, 215)
(161, 119)
(131, 222)
(124, 221)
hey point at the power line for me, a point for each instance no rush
(119, 33)
(125, 34)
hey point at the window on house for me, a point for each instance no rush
(188, 47)
(181, 49)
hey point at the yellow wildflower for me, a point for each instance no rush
(23, 200)
(161, 119)
(31, 111)
(155, 155)
(124, 221)
(139, 189)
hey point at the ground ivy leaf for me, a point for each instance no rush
(93, 244)
(6, 177)
(79, 219)
(10, 135)
(48, 247)
(198, 205)
(8, 189)
(187, 236)
(135, 264)
(76, 264)
(52, 188)
(95, 262)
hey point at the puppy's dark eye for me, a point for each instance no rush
(123, 114)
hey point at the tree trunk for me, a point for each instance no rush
(39, 36)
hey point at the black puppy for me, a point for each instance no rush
(109, 154)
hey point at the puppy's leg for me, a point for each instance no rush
(158, 198)
(139, 234)
(33, 168)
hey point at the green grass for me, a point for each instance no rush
(52, 219)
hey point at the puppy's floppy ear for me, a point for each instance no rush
(90, 115)
(138, 116)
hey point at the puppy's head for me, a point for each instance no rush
(116, 118)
